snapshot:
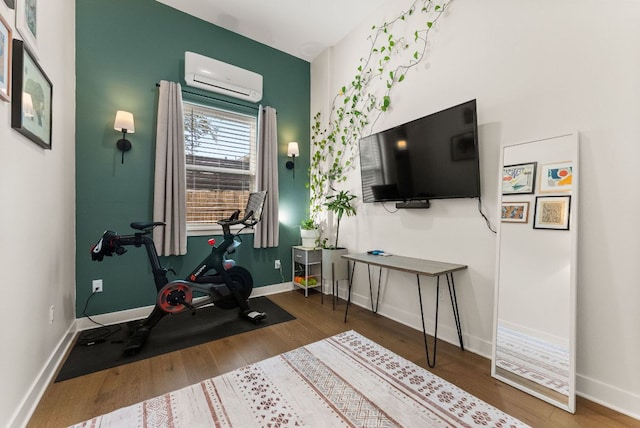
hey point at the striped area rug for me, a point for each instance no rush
(343, 381)
(533, 359)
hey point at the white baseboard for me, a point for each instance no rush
(410, 319)
(614, 398)
(609, 396)
(617, 399)
(143, 312)
(23, 413)
(113, 318)
(272, 289)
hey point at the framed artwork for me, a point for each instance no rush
(10, 3)
(515, 212)
(31, 93)
(556, 177)
(5, 60)
(552, 212)
(27, 23)
(518, 179)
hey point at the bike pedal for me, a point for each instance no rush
(255, 316)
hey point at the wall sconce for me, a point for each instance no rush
(124, 124)
(292, 152)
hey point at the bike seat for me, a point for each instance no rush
(139, 225)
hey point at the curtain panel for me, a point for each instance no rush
(169, 199)
(267, 232)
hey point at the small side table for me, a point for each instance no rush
(431, 268)
(307, 268)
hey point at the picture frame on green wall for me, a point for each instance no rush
(5, 60)
(27, 23)
(31, 97)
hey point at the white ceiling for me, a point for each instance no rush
(302, 28)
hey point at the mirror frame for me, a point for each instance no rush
(500, 373)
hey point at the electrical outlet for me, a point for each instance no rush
(51, 312)
(277, 264)
(96, 286)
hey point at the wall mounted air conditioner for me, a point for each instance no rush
(217, 76)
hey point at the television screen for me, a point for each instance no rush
(434, 157)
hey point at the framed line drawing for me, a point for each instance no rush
(518, 179)
(27, 23)
(5, 60)
(552, 212)
(556, 177)
(31, 97)
(515, 212)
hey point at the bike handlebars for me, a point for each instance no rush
(253, 211)
(105, 246)
(233, 220)
(110, 242)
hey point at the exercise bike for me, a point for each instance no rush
(223, 283)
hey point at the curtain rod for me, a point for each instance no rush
(216, 99)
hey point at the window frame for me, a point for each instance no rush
(216, 229)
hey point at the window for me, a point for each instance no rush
(371, 167)
(220, 153)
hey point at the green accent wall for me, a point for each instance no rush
(123, 48)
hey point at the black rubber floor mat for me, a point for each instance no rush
(170, 334)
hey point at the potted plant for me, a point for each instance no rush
(358, 105)
(309, 233)
(340, 204)
(396, 46)
(334, 267)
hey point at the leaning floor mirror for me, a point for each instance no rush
(536, 269)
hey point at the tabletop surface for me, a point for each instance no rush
(406, 264)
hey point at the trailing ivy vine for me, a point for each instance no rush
(358, 105)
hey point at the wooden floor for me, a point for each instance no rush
(78, 399)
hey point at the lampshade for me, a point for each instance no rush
(293, 150)
(124, 121)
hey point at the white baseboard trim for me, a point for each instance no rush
(615, 398)
(113, 317)
(272, 289)
(139, 313)
(447, 333)
(23, 413)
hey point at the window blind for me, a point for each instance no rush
(371, 169)
(220, 148)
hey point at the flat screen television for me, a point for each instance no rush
(434, 157)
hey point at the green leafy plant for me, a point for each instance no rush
(308, 224)
(359, 104)
(339, 204)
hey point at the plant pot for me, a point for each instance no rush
(309, 237)
(334, 264)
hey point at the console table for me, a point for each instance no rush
(418, 267)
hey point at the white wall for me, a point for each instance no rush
(537, 69)
(37, 224)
